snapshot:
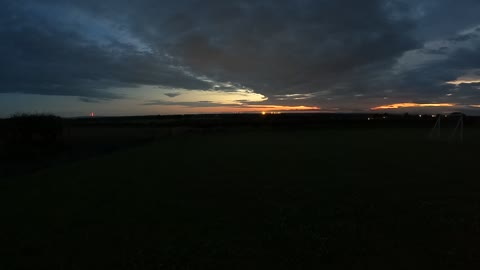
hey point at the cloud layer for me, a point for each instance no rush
(346, 54)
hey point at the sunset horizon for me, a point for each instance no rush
(174, 57)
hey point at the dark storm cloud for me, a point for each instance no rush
(429, 82)
(438, 19)
(290, 46)
(335, 50)
(347, 47)
(40, 58)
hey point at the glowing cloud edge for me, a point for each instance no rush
(411, 105)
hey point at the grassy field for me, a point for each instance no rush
(338, 199)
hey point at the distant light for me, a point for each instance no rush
(263, 113)
(433, 115)
(384, 117)
(369, 119)
(92, 114)
(420, 115)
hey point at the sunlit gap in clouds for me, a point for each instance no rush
(276, 108)
(471, 77)
(236, 109)
(219, 97)
(242, 100)
(459, 82)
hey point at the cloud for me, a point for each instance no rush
(270, 46)
(41, 58)
(338, 54)
(232, 107)
(437, 19)
(91, 100)
(464, 37)
(450, 78)
(172, 95)
(195, 104)
(282, 47)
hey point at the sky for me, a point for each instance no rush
(119, 57)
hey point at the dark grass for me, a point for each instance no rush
(334, 199)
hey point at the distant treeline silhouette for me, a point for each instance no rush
(32, 128)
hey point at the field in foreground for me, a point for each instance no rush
(343, 199)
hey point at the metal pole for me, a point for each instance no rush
(461, 129)
(439, 125)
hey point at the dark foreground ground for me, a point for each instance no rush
(337, 198)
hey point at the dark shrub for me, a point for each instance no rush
(32, 129)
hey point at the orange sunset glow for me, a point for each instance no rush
(411, 105)
(268, 108)
(253, 109)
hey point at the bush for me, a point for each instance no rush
(32, 129)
